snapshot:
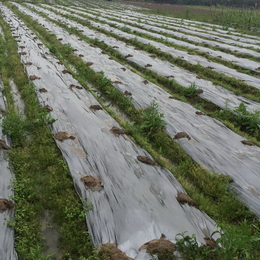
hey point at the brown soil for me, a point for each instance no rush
(199, 91)
(182, 135)
(81, 55)
(174, 98)
(22, 53)
(5, 204)
(127, 93)
(152, 56)
(48, 108)
(92, 182)
(3, 145)
(60, 39)
(40, 44)
(110, 251)
(145, 82)
(128, 56)
(199, 113)
(145, 159)
(89, 64)
(161, 247)
(148, 65)
(117, 82)
(245, 142)
(22, 47)
(198, 77)
(169, 76)
(33, 77)
(74, 86)
(61, 136)
(117, 131)
(210, 242)
(43, 90)
(66, 72)
(96, 107)
(59, 62)
(123, 69)
(184, 198)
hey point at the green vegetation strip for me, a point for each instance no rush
(177, 46)
(247, 127)
(209, 190)
(230, 83)
(43, 184)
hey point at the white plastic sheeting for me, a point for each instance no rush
(7, 250)
(212, 144)
(229, 39)
(216, 94)
(193, 59)
(242, 62)
(138, 201)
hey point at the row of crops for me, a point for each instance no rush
(153, 121)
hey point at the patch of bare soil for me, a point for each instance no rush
(5, 204)
(92, 182)
(61, 136)
(3, 145)
(162, 247)
(110, 251)
(182, 135)
(145, 159)
(184, 198)
(117, 131)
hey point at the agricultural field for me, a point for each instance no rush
(127, 134)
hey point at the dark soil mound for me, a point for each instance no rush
(110, 251)
(61, 136)
(5, 204)
(184, 198)
(145, 159)
(3, 145)
(92, 182)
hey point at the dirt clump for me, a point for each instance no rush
(220, 57)
(28, 63)
(43, 90)
(22, 53)
(48, 108)
(60, 39)
(152, 56)
(117, 82)
(198, 77)
(66, 72)
(171, 97)
(145, 159)
(59, 62)
(93, 183)
(110, 251)
(211, 68)
(210, 242)
(145, 82)
(75, 50)
(258, 69)
(123, 69)
(184, 198)
(162, 247)
(5, 204)
(74, 86)
(96, 107)
(128, 56)
(148, 65)
(61, 136)
(246, 142)
(117, 131)
(199, 91)
(89, 64)
(167, 77)
(22, 47)
(40, 44)
(115, 47)
(199, 113)
(127, 93)
(3, 145)
(33, 77)
(182, 135)
(81, 55)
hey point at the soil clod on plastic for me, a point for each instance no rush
(74, 86)
(33, 77)
(184, 198)
(199, 113)
(66, 72)
(96, 107)
(162, 247)
(93, 183)
(61, 136)
(117, 131)
(145, 82)
(48, 108)
(182, 135)
(43, 90)
(111, 252)
(145, 159)
(3, 145)
(127, 93)
(246, 142)
(5, 204)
